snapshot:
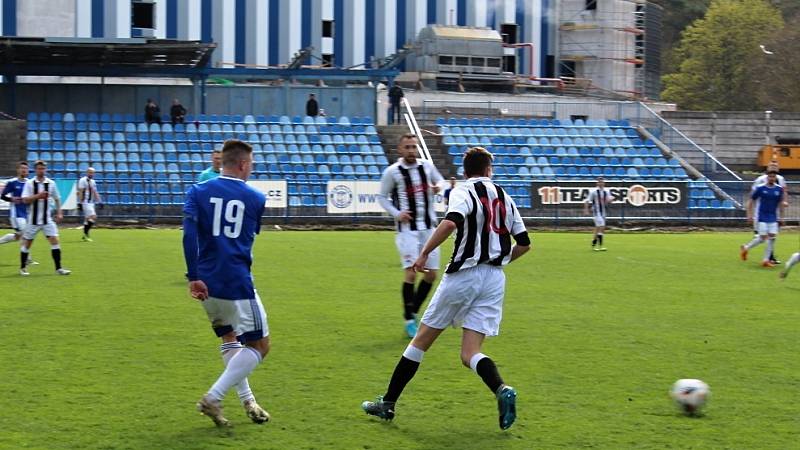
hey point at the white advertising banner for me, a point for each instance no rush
(275, 190)
(354, 197)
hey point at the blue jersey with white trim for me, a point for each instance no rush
(227, 213)
(769, 197)
(14, 189)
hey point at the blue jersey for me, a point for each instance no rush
(221, 219)
(769, 198)
(14, 189)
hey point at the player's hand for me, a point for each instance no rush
(436, 189)
(16, 200)
(419, 264)
(42, 195)
(404, 216)
(198, 290)
(749, 220)
(59, 217)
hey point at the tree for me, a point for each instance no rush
(715, 53)
(775, 75)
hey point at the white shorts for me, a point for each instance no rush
(409, 245)
(19, 224)
(599, 221)
(765, 228)
(470, 298)
(247, 318)
(88, 209)
(50, 229)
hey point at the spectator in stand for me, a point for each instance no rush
(312, 107)
(152, 113)
(395, 94)
(177, 112)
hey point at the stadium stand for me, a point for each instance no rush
(552, 149)
(140, 164)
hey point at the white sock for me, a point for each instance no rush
(476, 358)
(238, 368)
(229, 349)
(793, 260)
(755, 242)
(10, 237)
(770, 247)
(413, 353)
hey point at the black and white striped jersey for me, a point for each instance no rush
(40, 211)
(409, 187)
(491, 219)
(89, 187)
(599, 199)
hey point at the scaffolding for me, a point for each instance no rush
(605, 41)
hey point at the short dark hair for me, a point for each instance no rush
(476, 161)
(406, 136)
(22, 163)
(233, 150)
(40, 163)
(772, 172)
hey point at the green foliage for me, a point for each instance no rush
(115, 355)
(716, 54)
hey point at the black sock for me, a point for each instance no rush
(488, 373)
(23, 260)
(594, 241)
(600, 239)
(86, 227)
(408, 300)
(403, 373)
(56, 252)
(423, 289)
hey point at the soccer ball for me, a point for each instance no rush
(690, 395)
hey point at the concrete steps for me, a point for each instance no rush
(13, 146)
(390, 134)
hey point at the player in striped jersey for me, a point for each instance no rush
(761, 181)
(407, 189)
(598, 199)
(88, 196)
(471, 293)
(37, 193)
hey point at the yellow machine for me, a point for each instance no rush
(786, 153)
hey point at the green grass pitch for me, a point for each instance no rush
(116, 355)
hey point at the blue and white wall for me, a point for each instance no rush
(269, 32)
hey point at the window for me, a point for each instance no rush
(327, 60)
(462, 60)
(478, 62)
(445, 60)
(509, 33)
(327, 28)
(591, 5)
(568, 69)
(509, 63)
(493, 62)
(142, 14)
(574, 117)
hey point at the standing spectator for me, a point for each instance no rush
(213, 171)
(177, 112)
(152, 113)
(312, 107)
(448, 190)
(395, 94)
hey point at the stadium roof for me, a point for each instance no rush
(32, 56)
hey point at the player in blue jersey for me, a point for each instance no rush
(770, 197)
(18, 210)
(221, 219)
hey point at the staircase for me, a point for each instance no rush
(13, 146)
(390, 134)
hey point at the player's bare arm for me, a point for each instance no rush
(32, 198)
(749, 210)
(440, 234)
